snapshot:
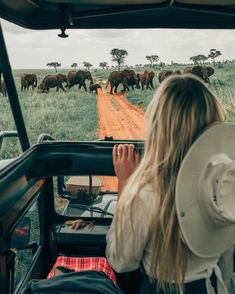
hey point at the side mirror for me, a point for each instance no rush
(21, 234)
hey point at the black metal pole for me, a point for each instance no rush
(5, 68)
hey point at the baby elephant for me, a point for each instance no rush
(95, 87)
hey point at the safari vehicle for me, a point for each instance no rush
(29, 224)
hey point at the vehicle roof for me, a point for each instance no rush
(52, 14)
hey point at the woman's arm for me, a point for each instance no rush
(135, 221)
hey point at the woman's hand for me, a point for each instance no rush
(125, 161)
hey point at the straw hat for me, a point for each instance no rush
(205, 192)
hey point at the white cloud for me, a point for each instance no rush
(33, 49)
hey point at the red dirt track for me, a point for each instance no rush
(119, 119)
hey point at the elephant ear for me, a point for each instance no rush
(210, 71)
(197, 70)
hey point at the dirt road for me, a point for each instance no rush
(119, 119)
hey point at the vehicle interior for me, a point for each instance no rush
(30, 182)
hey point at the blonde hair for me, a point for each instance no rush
(180, 111)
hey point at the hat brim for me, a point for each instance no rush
(203, 238)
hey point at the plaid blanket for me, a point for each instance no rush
(78, 264)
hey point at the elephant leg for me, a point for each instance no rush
(125, 85)
(115, 89)
(84, 86)
(61, 86)
(111, 89)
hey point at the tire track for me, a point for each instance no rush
(119, 119)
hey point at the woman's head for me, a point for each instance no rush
(182, 108)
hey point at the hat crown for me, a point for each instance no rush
(217, 190)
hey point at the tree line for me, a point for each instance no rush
(119, 55)
(200, 58)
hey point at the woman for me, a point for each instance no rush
(145, 231)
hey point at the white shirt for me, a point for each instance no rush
(143, 213)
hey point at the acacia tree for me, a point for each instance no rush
(74, 65)
(119, 56)
(88, 65)
(103, 64)
(54, 64)
(152, 59)
(200, 58)
(194, 59)
(213, 54)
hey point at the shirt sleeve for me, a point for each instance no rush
(136, 219)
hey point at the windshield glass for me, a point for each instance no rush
(67, 87)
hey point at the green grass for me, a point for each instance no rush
(70, 115)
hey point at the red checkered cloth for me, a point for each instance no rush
(78, 264)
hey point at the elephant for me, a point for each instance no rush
(125, 77)
(202, 71)
(28, 80)
(3, 88)
(146, 79)
(79, 78)
(164, 73)
(52, 81)
(95, 87)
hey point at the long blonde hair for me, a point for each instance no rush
(180, 111)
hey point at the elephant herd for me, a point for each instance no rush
(127, 78)
(203, 72)
(56, 81)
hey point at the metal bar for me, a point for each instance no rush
(125, 9)
(220, 10)
(7, 134)
(12, 94)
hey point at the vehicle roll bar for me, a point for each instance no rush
(5, 68)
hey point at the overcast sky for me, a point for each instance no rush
(34, 49)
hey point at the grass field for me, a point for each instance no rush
(73, 115)
(65, 116)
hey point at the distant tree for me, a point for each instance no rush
(87, 65)
(74, 65)
(162, 64)
(194, 59)
(103, 64)
(200, 58)
(54, 64)
(152, 59)
(119, 56)
(213, 54)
